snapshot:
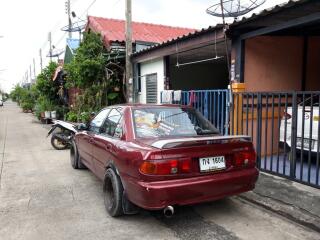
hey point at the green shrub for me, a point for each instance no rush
(72, 117)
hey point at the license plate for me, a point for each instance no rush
(208, 164)
(306, 143)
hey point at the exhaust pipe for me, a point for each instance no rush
(168, 211)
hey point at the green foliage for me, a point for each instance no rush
(72, 116)
(85, 117)
(87, 71)
(45, 87)
(88, 65)
(41, 96)
(16, 93)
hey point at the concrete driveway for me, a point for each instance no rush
(42, 197)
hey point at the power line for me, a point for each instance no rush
(85, 11)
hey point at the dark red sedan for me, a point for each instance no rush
(160, 156)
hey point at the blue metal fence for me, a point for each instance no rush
(213, 104)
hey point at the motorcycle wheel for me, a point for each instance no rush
(57, 144)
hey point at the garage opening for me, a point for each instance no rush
(201, 68)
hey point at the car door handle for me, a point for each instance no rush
(91, 140)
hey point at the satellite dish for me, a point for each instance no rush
(75, 27)
(55, 52)
(233, 8)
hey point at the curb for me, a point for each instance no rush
(287, 210)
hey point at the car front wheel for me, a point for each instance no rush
(113, 193)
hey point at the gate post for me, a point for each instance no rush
(259, 129)
(237, 107)
(293, 152)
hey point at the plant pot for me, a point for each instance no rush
(47, 114)
(53, 114)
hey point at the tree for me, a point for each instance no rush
(88, 72)
(45, 86)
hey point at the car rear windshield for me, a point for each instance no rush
(170, 121)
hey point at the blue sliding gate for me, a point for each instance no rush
(213, 104)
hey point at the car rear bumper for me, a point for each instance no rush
(158, 195)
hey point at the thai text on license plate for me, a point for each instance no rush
(212, 163)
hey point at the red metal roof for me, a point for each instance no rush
(113, 30)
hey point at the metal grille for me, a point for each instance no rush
(152, 88)
(285, 128)
(213, 104)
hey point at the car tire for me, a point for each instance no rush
(113, 193)
(75, 158)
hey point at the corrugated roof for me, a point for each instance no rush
(267, 11)
(180, 38)
(113, 30)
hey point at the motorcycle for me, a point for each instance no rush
(61, 139)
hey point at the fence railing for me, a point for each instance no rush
(213, 104)
(285, 128)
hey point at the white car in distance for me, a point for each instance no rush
(307, 126)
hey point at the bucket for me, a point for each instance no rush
(53, 114)
(47, 114)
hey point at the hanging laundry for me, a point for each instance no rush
(177, 96)
(167, 96)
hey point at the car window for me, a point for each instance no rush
(97, 122)
(112, 126)
(170, 121)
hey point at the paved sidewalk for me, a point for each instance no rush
(292, 200)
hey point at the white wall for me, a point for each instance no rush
(151, 67)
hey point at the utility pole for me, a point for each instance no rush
(68, 12)
(50, 43)
(30, 73)
(34, 69)
(129, 81)
(26, 77)
(40, 53)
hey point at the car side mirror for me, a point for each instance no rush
(82, 127)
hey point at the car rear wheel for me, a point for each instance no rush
(113, 193)
(75, 159)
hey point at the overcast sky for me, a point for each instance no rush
(24, 26)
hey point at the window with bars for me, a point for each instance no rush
(151, 88)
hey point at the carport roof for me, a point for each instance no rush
(188, 36)
(293, 10)
(277, 14)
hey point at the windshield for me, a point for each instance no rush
(170, 121)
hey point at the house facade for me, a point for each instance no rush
(274, 59)
(196, 61)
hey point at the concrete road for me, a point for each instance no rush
(42, 197)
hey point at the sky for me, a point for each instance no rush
(24, 26)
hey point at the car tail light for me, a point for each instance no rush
(286, 115)
(245, 159)
(166, 167)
